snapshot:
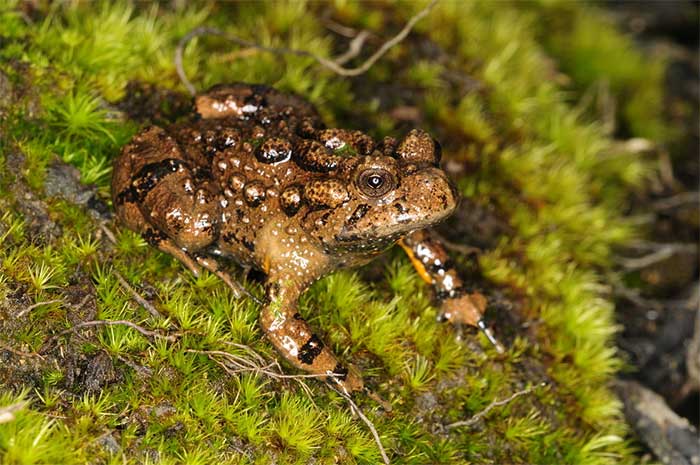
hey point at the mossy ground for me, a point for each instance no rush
(486, 78)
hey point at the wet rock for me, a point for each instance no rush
(109, 444)
(63, 181)
(39, 226)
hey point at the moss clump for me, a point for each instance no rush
(482, 80)
(605, 63)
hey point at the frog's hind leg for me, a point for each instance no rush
(238, 289)
(296, 341)
(195, 265)
(434, 266)
(243, 100)
(160, 241)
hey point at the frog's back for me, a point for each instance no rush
(216, 180)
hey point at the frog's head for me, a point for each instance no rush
(370, 200)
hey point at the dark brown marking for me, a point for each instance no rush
(127, 195)
(325, 193)
(314, 156)
(358, 214)
(400, 208)
(341, 372)
(291, 200)
(254, 193)
(153, 236)
(151, 174)
(310, 350)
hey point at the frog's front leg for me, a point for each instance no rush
(296, 341)
(433, 264)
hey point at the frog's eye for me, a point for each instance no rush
(375, 182)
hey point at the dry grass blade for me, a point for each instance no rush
(137, 297)
(335, 65)
(370, 425)
(493, 405)
(87, 324)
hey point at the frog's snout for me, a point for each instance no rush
(438, 197)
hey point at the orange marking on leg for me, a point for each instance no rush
(417, 264)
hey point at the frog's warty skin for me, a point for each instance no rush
(254, 176)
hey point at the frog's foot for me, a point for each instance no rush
(295, 340)
(458, 306)
(468, 309)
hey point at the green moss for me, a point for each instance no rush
(602, 60)
(532, 155)
(31, 438)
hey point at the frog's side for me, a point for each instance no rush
(257, 178)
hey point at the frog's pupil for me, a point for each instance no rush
(375, 181)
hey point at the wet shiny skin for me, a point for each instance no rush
(256, 177)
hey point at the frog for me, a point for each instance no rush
(254, 176)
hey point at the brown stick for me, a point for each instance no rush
(87, 324)
(368, 422)
(38, 304)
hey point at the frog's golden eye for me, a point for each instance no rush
(376, 182)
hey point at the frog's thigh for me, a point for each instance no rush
(225, 100)
(296, 341)
(187, 211)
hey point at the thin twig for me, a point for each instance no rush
(368, 422)
(19, 352)
(237, 364)
(636, 298)
(459, 248)
(336, 27)
(244, 364)
(684, 198)
(108, 232)
(144, 370)
(666, 170)
(86, 324)
(493, 405)
(663, 252)
(333, 64)
(137, 297)
(38, 304)
(354, 49)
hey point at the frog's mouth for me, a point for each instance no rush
(430, 199)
